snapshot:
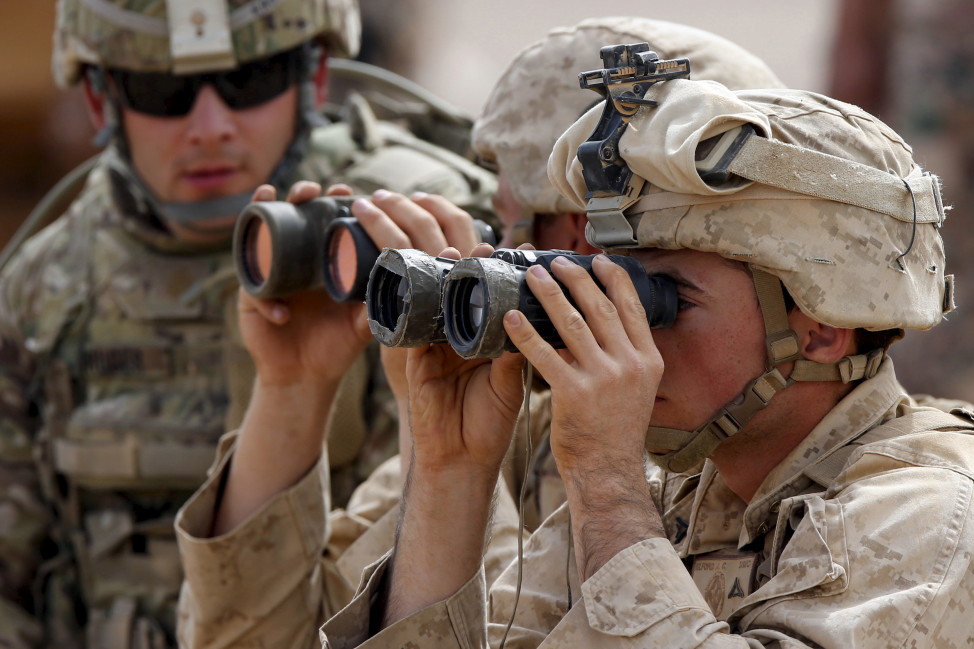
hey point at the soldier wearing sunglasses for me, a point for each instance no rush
(120, 357)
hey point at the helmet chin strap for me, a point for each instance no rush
(684, 450)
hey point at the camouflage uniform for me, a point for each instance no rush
(231, 597)
(204, 609)
(877, 555)
(121, 365)
(859, 536)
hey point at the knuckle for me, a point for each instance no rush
(605, 308)
(635, 307)
(574, 321)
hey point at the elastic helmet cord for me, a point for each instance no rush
(526, 411)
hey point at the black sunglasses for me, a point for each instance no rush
(162, 94)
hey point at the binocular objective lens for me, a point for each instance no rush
(259, 250)
(343, 260)
(401, 296)
(469, 301)
(476, 306)
(389, 299)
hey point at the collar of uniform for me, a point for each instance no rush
(715, 516)
(871, 403)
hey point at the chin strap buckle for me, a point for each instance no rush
(860, 366)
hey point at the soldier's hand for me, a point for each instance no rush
(307, 336)
(424, 222)
(462, 412)
(603, 384)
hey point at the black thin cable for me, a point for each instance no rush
(526, 408)
(913, 235)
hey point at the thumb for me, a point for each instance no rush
(360, 325)
(506, 380)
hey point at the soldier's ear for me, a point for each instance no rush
(581, 244)
(820, 342)
(95, 103)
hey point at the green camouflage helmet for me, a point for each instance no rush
(538, 96)
(193, 36)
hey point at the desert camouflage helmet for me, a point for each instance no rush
(828, 207)
(538, 95)
(190, 36)
(825, 199)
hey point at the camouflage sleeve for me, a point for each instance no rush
(350, 626)
(261, 584)
(430, 628)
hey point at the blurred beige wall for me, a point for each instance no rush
(458, 49)
(462, 47)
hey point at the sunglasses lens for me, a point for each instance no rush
(167, 95)
(157, 94)
(254, 83)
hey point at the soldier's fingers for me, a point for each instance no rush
(303, 190)
(450, 253)
(339, 189)
(619, 288)
(600, 314)
(568, 321)
(271, 310)
(539, 353)
(456, 224)
(482, 250)
(264, 193)
(383, 231)
(419, 225)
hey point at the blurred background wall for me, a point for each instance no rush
(459, 49)
(456, 49)
(43, 131)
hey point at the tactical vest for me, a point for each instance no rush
(135, 397)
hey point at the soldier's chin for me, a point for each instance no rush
(213, 231)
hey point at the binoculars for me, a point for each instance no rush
(281, 248)
(415, 299)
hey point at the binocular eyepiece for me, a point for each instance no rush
(415, 299)
(281, 248)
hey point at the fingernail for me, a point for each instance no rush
(538, 272)
(277, 313)
(380, 194)
(416, 196)
(561, 261)
(512, 318)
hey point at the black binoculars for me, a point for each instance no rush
(415, 299)
(281, 248)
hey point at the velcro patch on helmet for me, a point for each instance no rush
(199, 36)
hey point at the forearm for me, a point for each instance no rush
(441, 538)
(611, 508)
(281, 439)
